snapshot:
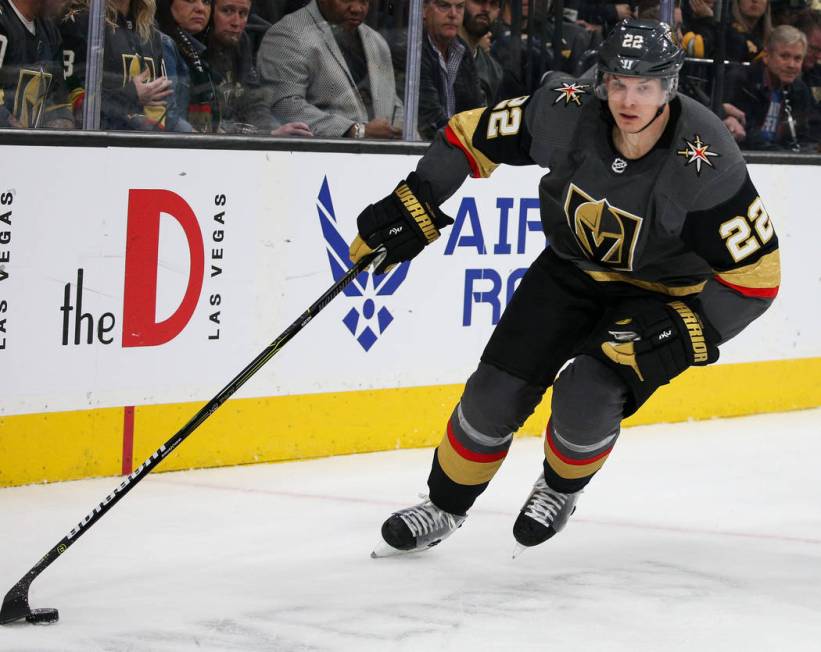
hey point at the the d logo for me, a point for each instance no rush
(140, 327)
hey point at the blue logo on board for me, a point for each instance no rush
(368, 318)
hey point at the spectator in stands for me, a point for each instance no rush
(134, 88)
(750, 29)
(480, 16)
(787, 12)
(700, 29)
(448, 80)
(243, 105)
(185, 22)
(601, 15)
(523, 67)
(32, 88)
(329, 70)
(809, 22)
(176, 70)
(750, 26)
(767, 105)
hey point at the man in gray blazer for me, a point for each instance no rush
(329, 70)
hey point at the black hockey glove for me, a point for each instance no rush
(404, 222)
(652, 342)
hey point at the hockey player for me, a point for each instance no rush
(32, 89)
(660, 249)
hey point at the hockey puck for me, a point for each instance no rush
(43, 616)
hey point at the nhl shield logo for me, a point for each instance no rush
(368, 318)
(619, 165)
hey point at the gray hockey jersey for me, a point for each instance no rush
(683, 220)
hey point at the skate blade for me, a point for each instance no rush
(518, 550)
(382, 550)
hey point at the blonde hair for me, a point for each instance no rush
(763, 26)
(143, 11)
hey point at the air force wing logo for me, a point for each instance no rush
(607, 235)
(368, 318)
(697, 152)
(570, 93)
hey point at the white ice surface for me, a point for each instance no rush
(698, 536)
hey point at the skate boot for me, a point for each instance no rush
(544, 513)
(416, 528)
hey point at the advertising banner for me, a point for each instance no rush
(140, 277)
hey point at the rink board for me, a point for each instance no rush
(106, 350)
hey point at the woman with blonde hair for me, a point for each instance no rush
(134, 86)
(750, 29)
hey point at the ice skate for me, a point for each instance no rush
(544, 513)
(416, 528)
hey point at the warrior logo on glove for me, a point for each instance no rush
(655, 343)
(384, 224)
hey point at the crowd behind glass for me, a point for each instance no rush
(337, 68)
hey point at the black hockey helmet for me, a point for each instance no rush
(640, 48)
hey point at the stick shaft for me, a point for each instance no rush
(15, 604)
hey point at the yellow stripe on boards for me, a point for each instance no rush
(70, 445)
(60, 446)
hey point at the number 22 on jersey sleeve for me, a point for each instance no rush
(506, 118)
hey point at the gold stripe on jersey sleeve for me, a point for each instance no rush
(463, 125)
(764, 273)
(464, 471)
(654, 286)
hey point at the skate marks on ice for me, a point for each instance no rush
(645, 591)
(275, 557)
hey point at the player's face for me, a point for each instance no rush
(633, 101)
(443, 17)
(348, 13)
(191, 15)
(230, 19)
(784, 61)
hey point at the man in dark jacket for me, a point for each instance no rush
(32, 88)
(448, 80)
(243, 105)
(809, 22)
(480, 15)
(767, 105)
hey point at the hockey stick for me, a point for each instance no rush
(16, 603)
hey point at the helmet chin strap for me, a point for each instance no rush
(659, 111)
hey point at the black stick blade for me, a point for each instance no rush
(15, 604)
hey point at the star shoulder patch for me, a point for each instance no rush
(570, 93)
(697, 152)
